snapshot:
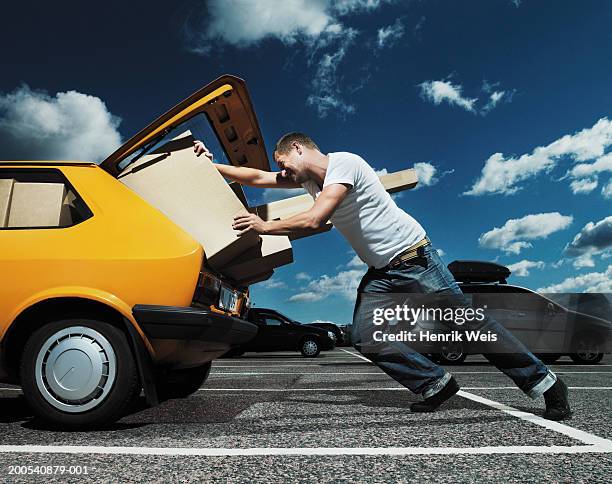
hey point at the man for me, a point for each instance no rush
(347, 192)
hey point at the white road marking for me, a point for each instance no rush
(558, 427)
(584, 437)
(343, 389)
(356, 355)
(356, 363)
(363, 389)
(343, 373)
(384, 374)
(302, 451)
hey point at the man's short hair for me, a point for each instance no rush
(283, 145)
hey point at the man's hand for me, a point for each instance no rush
(247, 221)
(200, 148)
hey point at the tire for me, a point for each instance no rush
(549, 359)
(181, 383)
(451, 355)
(587, 349)
(310, 348)
(79, 373)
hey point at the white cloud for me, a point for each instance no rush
(606, 191)
(67, 126)
(427, 174)
(344, 7)
(504, 175)
(308, 296)
(302, 276)
(316, 25)
(316, 321)
(273, 194)
(584, 260)
(326, 94)
(343, 284)
(512, 237)
(521, 268)
(242, 24)
(584, 185)
(590, 282)
(387, 36)
(585, 176)
(444, 91)
(273, 284)
(594, 238)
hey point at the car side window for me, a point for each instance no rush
(271, 320)
(39, 198)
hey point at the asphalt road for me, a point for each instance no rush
(337, 418)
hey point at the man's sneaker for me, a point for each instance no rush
(557, 404)
(433, 402)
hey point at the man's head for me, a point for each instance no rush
(293, 153)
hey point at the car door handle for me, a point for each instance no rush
(521, 315)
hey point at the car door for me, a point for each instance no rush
(272, 334)
(502, 303)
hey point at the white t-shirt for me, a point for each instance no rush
(368, 218)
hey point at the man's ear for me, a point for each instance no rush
(298, 147)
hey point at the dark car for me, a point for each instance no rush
(334, 328)
(277, 332)
(548, 329)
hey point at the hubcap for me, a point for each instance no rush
(310, 348)
(587, 349)
(76, 369)
(453, 352)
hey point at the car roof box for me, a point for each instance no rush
(478, 271)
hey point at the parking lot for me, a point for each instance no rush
(282, 417)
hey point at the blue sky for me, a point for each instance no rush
(503, 106)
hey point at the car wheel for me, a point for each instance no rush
(588, 350)
(310, 348)
(79, 373)
(549, 359)
(452, 354)
(181, 383)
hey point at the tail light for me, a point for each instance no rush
(213, 292)
(208, 289)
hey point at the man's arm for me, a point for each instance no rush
(256, 178)
(245, 175)
(323, 208)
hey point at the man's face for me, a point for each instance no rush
(291, 164)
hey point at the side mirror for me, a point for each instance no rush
(551, 309)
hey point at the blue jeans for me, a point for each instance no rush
(414, 370)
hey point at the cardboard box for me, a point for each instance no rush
(6, 191)
(183, 141)
(191, 192)
(273, 251)
(39, 205)
(255, 279)
(399, 180)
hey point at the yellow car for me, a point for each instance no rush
(101, 294)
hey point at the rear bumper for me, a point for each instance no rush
(186, 336)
